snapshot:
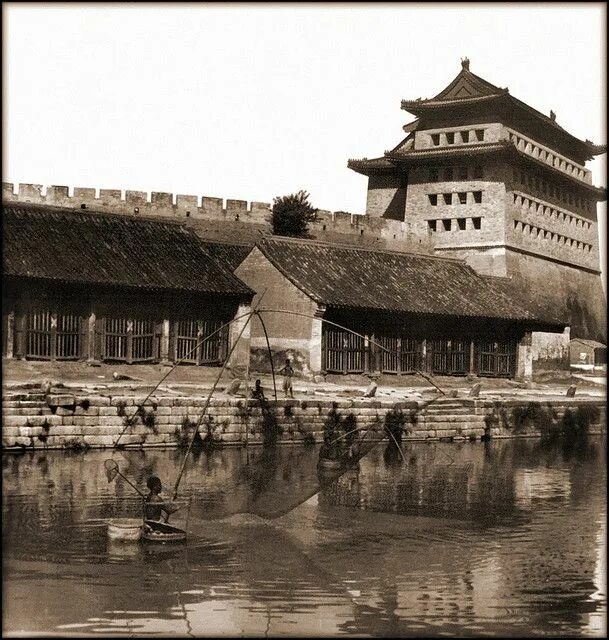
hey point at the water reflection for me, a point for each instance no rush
(503, 538)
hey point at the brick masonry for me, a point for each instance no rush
(31, 420)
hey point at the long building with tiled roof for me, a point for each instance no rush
(64, 245)
(412, 312)
(357, 278)
(484, 177)
(100, 286)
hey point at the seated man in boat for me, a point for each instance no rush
(154, 503)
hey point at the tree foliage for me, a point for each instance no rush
(292, 214)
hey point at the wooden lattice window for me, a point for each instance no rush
(403, 354)
(190, 346)
(449, 356)
(52, 335)
(343, 352)
(130, 340)
(496, 358)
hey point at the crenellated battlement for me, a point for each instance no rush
(205, 211)
(138, 202)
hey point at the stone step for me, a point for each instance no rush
(23, 404)
(449, 410)
(460, 419)
(29, 411)
(446, 405)
(22, 397)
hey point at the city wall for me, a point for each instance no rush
(217, 218)
(32, 420)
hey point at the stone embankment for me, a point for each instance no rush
(36, 420)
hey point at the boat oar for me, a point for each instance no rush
(112, 470)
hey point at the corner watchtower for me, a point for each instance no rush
(485, 177)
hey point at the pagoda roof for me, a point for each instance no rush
(395, 158)
(449, 152)
(468, 89)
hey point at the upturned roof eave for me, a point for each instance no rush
(422, 107)
(373, 166)
(466, 149)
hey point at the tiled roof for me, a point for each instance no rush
(228, 255)
(391, 159)
(364, 165)
(590, 343)
(99, 248)
(467, 88)
(458, 150)
(340, 276)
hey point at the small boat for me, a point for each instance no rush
(128, 529)
(154, 531)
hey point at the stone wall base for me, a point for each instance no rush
(35, 421)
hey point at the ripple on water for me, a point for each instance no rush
(506, 540)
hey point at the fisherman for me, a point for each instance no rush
(258, 392)
(287, 372)
(154, 503)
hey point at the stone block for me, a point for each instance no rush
(81, 421)
(109, 421)
(136, 198)
(127, 401)
(90, 411)
(161, 200)
(62, 400)
(14, 421)
(98, 441)
(99, 401)
(64, 411)
(111, 411)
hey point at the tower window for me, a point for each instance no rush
(433, 199)
(461, 223)
(477, 197)
(450, 137)
(462, 197)
(476, 222)
(431, 224)
(479, 135)
(435, 139)
(448, 198)
(446, 224)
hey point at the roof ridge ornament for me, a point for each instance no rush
(552, 115)
(465, 63)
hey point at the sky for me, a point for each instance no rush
(254, 101)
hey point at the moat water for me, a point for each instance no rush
(499, 538)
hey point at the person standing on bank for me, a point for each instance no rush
(287, 372)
